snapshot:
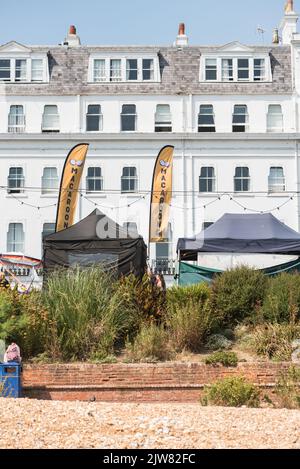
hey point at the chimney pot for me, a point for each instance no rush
(181, 31)
(72, 29)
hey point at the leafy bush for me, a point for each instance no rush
(275, 340)
(282, 300)
(87, 314)
(287, 388)
(231, 392)
(22, 320)
(146, 300)
(222, 358)
(180, 296)
(237, 293)
(189, 325)
(150, 344)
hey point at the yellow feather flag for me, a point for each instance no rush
(161, 195)
(70, 181)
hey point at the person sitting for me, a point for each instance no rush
(4, 283)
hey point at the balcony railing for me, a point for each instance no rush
(164, 266)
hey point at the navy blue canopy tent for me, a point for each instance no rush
(240, 233)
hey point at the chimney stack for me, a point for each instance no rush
(181, 39)
(72, 40)
(275, 38)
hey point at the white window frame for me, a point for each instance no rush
(19, 128)
(99, 115)
(49, 129)
(214, 179)
(46, 190)
(124, 57)
(219, 56)
(136, 117)
(274, 129)
(94, 178)
(273, 188)
(135, 178)
(163, 123)
(10, 190)
(24, 235)
(213, 114)
(242, 178)
(13, 57)
(246, 124)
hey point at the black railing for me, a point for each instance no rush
(164, 266)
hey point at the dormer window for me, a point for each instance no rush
(20, 64)
(235, 63)
(118, 68)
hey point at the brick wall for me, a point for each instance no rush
(177, 382)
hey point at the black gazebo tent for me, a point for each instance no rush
(96, 240)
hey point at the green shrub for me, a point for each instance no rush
(237, 293)
(87, 314)
(222, 358)
(287, 388)
(146, 300)
(22, 320)
(149, 345)
(274, 341)
(180, 296)
(282, 300)
(189, 325)
(231, 392)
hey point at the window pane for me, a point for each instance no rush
(49, 180)
(227, 69)
(50, 121)
(210, 69)
(132, 69)
(94, 118)
(15, 238)
(128, 117)
(243, 69)
(275, 118)
(99, 70)
(242, 179)
(94, 180)
(129, 179)
(163, 118)
(21, 70)
(276, 179)
(148, 69)
(206, 120)
(37, 70)
(5, 70)
(115, 70)
(259, 69)
(48, 228)
(207, 179)
(16, 119)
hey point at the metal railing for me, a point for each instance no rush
(164, 266)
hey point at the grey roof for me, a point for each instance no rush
(179, 68)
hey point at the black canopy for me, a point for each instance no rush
(243, 233)
(96, 240)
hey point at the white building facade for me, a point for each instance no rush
(231, 112)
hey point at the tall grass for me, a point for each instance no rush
(87, 314)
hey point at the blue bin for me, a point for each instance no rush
(10, 379)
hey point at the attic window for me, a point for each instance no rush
(22, 70)
(235, 69)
